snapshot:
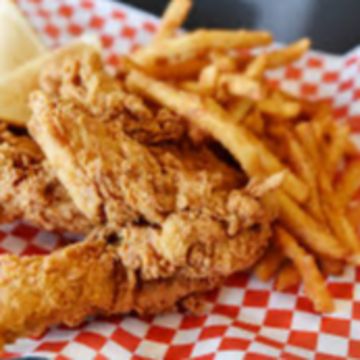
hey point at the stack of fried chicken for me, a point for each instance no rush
(166, 217)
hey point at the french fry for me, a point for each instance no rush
(255, 69)
(287, 277)
(314, 283)
(277, 106)
(306, 170)
(241, 86)
(223, 62)
(190, 86)
(306, 135)
(315, 110)
(331, 266)
(353, 215)
(276, 131)
(322, 126)
(208, 79)
(287, 55)
(243, 145)
(192, 45)
(313, 144)
(172, 19)
(184, 70)
(270, 263)
(344, 231)
(311, 233)
(350, 149)
(349, 184)
(255, 122)
(239, 108)
(337, 148)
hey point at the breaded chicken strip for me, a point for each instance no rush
(30, 190)
(120, 271)
(85, 124)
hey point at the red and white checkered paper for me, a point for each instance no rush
(246, 319)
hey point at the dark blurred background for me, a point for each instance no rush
(333, 25)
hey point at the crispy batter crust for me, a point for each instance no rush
(113, 152)
(92, 278)
(30, 189)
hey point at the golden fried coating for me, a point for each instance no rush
(96, 146)
(84, 82)
(30, 189)
(120, 271)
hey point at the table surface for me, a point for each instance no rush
(333, 25)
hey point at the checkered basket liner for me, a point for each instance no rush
(246, 319)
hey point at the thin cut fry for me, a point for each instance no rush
(190, 86)
(287, 277)
(337, 148)
(172, 19)
(331, 266)
(240, 85)
(343, 230)
(223, 62)
(239, 108)
(349, 184)
(198, 42)
(255, 122)
(313, 234)
(255, 70)
(238, 140)
(208, 79)
(322, 126)
(312, 143)
(314, 283)
(188, 69)
(353, 214)
(278, 106)
(267, 267)
(305, 169)
(288, 54)
(306, 135)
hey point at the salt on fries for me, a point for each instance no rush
(211, 79)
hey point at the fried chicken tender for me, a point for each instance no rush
(111, 172)
(84, 82)
(120, 271)
(30, 189)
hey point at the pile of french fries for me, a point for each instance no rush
(213, 80)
